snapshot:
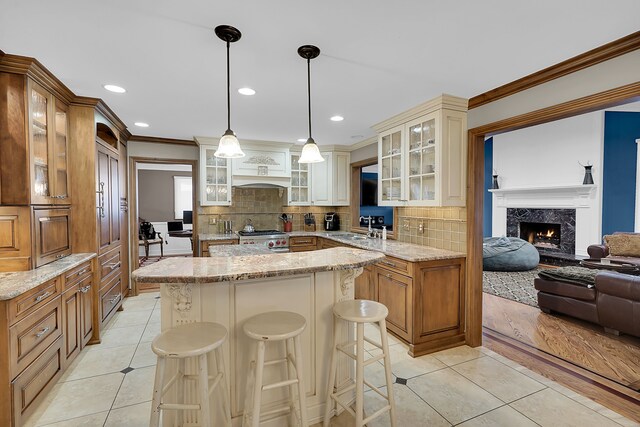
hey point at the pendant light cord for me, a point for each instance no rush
(309, 92)
(228, 91)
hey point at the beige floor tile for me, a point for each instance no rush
(144, 356)
(410, 409)
(452, 395)
(131, 318)
(137, 387)
(86, 421)
(155, 316)
(405, 366)
(75, 399)
(151, 331)
(498, 379)
(501, 417)
(456, 355)
(139, 304)
(551, 408)
(118, 337)
(99, 361)
(130, 416)
(150, 295)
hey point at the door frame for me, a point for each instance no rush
(475, 181)
(133, 207)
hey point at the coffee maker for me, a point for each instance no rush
(331, 221)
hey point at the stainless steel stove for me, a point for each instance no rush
(275, 240)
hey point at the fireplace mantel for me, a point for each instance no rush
(565, 196)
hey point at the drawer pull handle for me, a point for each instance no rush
(61, 196)
(85, 289)
(80, 273)
(60, 256)
(114, 299)
(308, 242)
(114, 265)
(42, 296)
(42, 332)
(390, 264)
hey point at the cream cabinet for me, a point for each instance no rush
(422, 155)
(300, 185)
(215, 178)
(331, 179)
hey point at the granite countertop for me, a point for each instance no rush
(238, 250)
(16, 283)
(203, 237)
(257, 266)
(406, 251)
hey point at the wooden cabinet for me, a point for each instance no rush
(395, 291)
(108, 196)
(365, 284)
(15, 238)
(71, 308)
(52, 234)
(204, 245)
(422, 155)
(215, 178)
(302, 243)
(331, 180)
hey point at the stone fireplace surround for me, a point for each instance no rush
(565, 217)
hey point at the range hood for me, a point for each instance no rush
(260, 182)
(264, 165)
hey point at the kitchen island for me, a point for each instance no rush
(231, 287)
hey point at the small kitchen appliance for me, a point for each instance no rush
(331, 221)
(275, 240)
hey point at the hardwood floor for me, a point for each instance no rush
(580, 343)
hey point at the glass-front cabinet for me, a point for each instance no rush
(215, 178)
(391, 155)
(300, 187)
(48, 145)
(422, 154)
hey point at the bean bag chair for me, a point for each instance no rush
(508, 254)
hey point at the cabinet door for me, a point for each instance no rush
(114, 196)
(60, 156)
(391, 156)
(341, 179)
(86, 310)
(52, 234)
(300, 185)
(440, 297)
(365, 285)
(103, 201)
(322, 181)
(215, 176)
(40, 112)
(71, 324)
(423, 167)
(395, 291)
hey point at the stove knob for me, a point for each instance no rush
(284, 242)
(277, 242)
(270, 244)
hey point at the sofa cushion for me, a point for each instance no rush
(623, 244)
(565, 289)
(621, 285)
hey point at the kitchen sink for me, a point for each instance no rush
(359, 237)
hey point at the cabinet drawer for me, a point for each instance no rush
(110, 299)
(396, 264)
(395, 292)
(29, 337)
(303, 248)
(326, 243)
(109, 265)
(29, 385)
(302, 241)
(76, 275)
(52, 234)
(31, 300)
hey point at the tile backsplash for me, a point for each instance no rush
(443, 228)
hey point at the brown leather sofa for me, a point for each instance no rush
(614, 301)
(602, 251)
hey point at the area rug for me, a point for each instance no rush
(514, 285)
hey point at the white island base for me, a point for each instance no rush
(230, 303)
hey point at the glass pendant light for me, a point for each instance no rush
(229, 146)
(310, 151)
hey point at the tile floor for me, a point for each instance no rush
(461, 386)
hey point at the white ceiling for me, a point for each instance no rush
(378, 58)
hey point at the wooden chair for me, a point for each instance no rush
(146, 239)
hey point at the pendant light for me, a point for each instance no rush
(310, 151)
(229, 146)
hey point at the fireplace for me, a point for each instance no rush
(541, 234)
(549, 230)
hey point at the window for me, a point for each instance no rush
(182, 195)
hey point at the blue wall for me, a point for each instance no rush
(487, 215)
(619, 171)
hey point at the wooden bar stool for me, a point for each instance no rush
(360, 312)
(192, 340)
(276, 326)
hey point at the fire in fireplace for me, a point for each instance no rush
(541, 234)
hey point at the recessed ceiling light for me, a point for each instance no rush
(337, 118)
(142, 124)
(302, 139)
(246, 91)
(114, 88)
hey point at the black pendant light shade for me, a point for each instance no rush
(310, 152)
(229, 146)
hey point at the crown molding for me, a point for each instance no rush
(32, 68)
(449, 102)
(160, 140)
(364, 143)
(595, 56)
